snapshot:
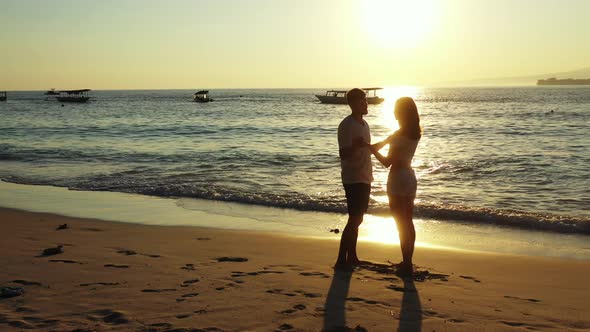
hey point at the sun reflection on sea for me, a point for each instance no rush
(379, 229)
(382, 229)
(391, 94)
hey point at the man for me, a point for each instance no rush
(354, 137)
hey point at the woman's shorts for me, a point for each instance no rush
(357, 198)
(402, 182)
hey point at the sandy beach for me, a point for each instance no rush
(126, 277)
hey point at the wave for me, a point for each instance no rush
(333, 203)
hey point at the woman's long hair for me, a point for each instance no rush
(406, 114)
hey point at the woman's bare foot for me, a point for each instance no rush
(404, 269)
(354, 262)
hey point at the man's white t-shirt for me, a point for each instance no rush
(358, 168)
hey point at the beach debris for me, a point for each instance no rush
(7, 292)
(53, 251)
(62, 226)
(232, 259)
(335, 231)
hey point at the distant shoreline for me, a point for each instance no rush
(567, 81)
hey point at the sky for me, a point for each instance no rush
(182, 44)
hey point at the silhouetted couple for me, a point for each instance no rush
(354, 141)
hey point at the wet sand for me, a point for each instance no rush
(130, 277)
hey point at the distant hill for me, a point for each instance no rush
(583, 73)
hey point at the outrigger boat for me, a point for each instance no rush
(73, 96)
(339, 96)
(51, 94)
(202, 96)
(2, 95)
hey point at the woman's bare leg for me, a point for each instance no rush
(402, 208)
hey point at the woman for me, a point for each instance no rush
(401, 183)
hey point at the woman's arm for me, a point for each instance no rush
(386, 161)
(380, 145)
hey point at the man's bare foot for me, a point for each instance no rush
(343, 267)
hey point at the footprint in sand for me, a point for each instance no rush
(295, 308)
(188, 267)
(90, 229)
(189, 282)
(306, 294)
(161, 290)
(40, 322)
(66, 261)
(288, 265)
(470, 278)
(314, 274)
(20, 324)
(128, 252)
(117, 266)
(110, 316)
(26, 283)
(100, 284)
(232, 259)
(26, 310)
(162, 325)
(151, 255)
(279, 291)
(396, 288)
(285, 327)
(371, 302)
(519, 298)
(236, 274)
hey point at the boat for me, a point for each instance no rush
(2, 95)
(51, 92)
(73, 96)
(339, 96)
(202, 96)
(567, 81)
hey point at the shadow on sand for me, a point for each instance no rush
(410, 316)
(335, 312)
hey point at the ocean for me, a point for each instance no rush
(511, 157)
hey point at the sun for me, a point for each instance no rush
(397, 23)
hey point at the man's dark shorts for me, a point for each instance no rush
(357, 198)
